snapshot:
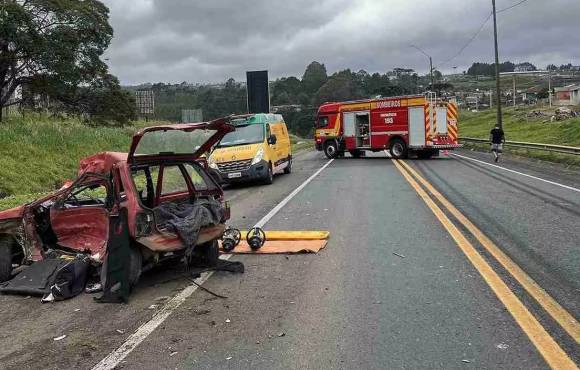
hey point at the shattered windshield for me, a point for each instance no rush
(172, 142)
(248, 134)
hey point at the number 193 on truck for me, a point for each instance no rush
(404, 125)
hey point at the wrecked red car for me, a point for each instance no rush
(172, 207)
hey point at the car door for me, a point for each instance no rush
(80, 216)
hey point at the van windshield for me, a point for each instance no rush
(248, 134)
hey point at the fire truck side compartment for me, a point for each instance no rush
(416, 126)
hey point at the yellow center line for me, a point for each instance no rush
(545, 344)
(558, 313)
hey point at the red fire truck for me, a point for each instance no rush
(416, 124)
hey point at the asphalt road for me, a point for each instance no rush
(391, 290)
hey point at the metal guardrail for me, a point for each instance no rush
(535, 146)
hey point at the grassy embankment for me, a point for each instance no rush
(37, 153)
(519, 126)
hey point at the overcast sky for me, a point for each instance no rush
(212, 40)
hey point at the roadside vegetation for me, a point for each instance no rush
(529, 125)
(38, 153)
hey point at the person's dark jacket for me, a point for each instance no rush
(497, 135)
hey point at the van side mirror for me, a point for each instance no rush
(272, 139)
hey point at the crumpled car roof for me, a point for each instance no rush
(101, 163)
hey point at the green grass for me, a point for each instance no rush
(299, 143)
(519, 127)
(38, 153)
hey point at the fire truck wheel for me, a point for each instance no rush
(331, 149)
(398, 149)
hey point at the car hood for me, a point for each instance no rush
(189, 140)
(235, 153)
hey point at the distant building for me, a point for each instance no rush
(567, 95)
(530, 96)
(524, 67)
(13, 106)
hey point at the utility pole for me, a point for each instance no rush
(497, 83)
(430, 64)
(490, 98)
(550, 87)
(431, 72)
(514, 80)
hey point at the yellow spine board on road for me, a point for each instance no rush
(452, 121)
(292, 235)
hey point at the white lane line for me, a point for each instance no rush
(114, 358)
(280, 205)
(519, 173)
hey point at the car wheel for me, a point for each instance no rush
(204, 255)
(270, 176)
(288, 168)
(135, 267)
(398, 149)
(5, 259)
(331, 149)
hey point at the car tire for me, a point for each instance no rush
(398, 149)
(269, 179)
(288, 168)
(135, 268)
(204, 255)
(331, 149)
(5, 258)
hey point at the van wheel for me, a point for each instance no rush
(331, 149)
(270, 176)
(398, 149)
(135, 266)
(288, 168)
(5, 259)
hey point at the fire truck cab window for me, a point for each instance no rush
(322, 121)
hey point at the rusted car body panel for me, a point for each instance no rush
(82, 225)
(169, 242)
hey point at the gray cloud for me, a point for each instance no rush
(210, 41)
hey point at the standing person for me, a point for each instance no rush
(497, 138)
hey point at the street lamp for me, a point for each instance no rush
(430, 64)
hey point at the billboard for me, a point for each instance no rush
(145, 101)
(258, 92)
(191, 115)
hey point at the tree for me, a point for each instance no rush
(339, 87)
(437, 75)
(314, 77)
(53, 41)
(488, 69)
